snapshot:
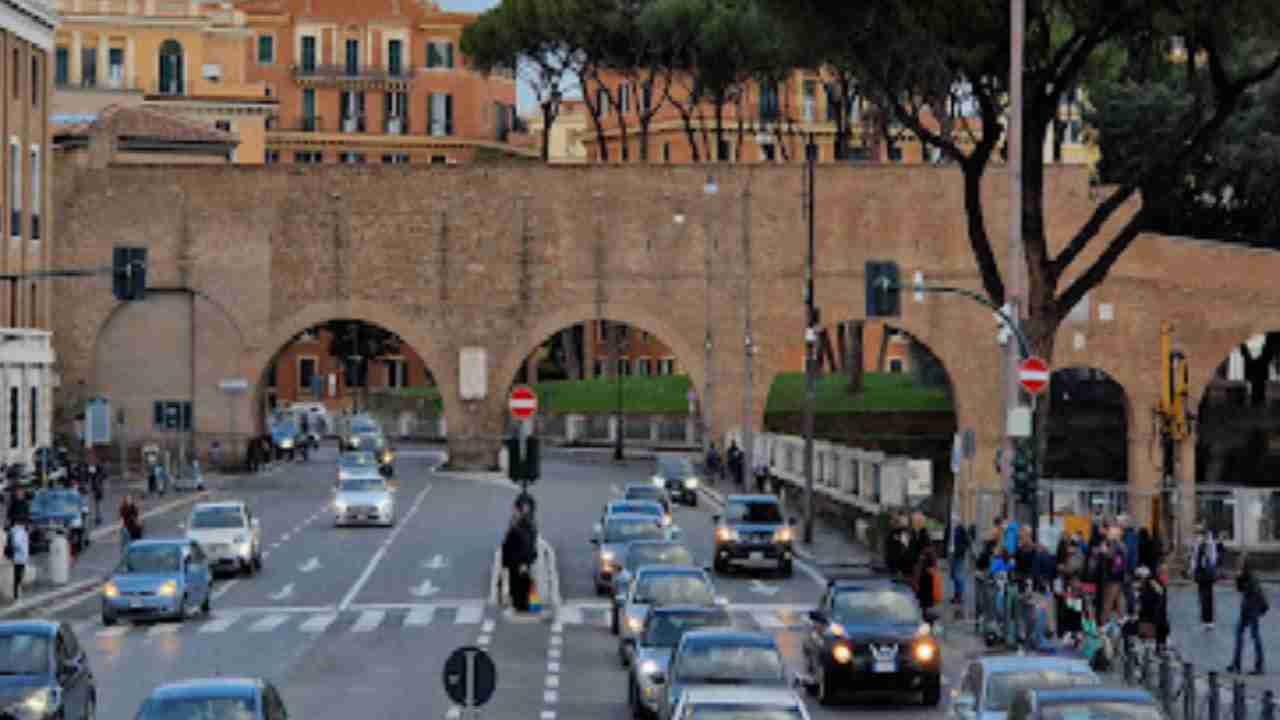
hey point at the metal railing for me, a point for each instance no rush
(343, 73)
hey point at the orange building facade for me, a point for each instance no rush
(363, 82)
(291, 378)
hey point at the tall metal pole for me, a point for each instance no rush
(748, 342)
(709, 190)
(810, 339)
(619, 430)
(1015, 272)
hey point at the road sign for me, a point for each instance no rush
(233, 386)
(470, 677)
(523, 402)
(1033, 375)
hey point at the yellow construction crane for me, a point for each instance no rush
(1173, 421)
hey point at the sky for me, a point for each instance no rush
(525, 101)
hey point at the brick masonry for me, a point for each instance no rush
(502, 257)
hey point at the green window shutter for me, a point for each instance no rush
(448, 114)
(448, 55)
(433, 55)
(431, 115)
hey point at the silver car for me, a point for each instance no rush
(364, 498)
(748, 702)
(610, 538)
(991, 683)
(656, 586)
(654, 643)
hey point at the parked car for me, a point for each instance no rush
(752, 532)
(45, 672)
(229, 534)
(59, 512)
(215, 698)
(158, 579)
(678, 477)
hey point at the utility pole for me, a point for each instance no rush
(810, 340)
(1015, 289)
(748, 342)
(1174, 424)
(709, 190)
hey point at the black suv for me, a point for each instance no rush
(752, 531)
(678, 476)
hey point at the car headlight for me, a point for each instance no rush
(666, 520)
(842, 653)
(657, 481)
(606, 557)
(384, 506)
(649, 668)
(387, 457)
(41, 702)
(926, 651)
(354, 442)
(691, 483)
(286, 443)
(837, 629)
(168, 589)
(110, 590)
(634, 624)
(925, 630)
(340, 506)
(783, 535)
(725, 534)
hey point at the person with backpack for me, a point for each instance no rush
(1253, 606)
(1114, 570)
(1203, 569)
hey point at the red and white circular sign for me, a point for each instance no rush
(523, 402)
(1033, 375)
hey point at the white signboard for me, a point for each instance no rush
(233, 386)
(333, 385)
(473, 370)
(919, 478)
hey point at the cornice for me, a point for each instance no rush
(30, 20)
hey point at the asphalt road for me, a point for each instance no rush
(357, 622)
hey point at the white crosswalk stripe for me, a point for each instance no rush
(219, 624)
(369, 621)
(269, 623)
(318, 623)
(419, 617)
(163, 628)
(469, 615)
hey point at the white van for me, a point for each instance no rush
(319, 423)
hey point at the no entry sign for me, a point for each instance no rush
(523, 403)
(1033, 375)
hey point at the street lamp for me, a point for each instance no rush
(710, 190)
(810, 342)
(619, 429)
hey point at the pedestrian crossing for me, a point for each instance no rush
(767, 617)
(300, 620)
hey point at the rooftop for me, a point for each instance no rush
(141, 122)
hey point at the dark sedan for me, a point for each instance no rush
(222, 697)
(58, 512)
(679, 478)
(44, 673)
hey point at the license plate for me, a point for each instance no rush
(885, 666)
(135, 603)
(757, 556)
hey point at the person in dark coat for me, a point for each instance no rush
(1153, 606)
(517, 552)
(19, 508)
(925, 584)
(735, 462)
(1203, 569)
(1150, 552)
(961, 543)
(1253, 605)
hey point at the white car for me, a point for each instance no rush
(364, 498)
(743, 701)
(229, 534)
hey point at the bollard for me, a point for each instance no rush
(1166, 683)
(1268, 705)
(1188, 691)
(59, 560)
(1237, 700)
(1213, 695)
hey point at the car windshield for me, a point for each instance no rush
(1002, 687)
(24, 654)
(152, 559)
(361, 459)
(754, 511)
(678, 468)
(286, 429)
(663, 589)
(658, 555)
(363, 428)
(875, 607)
(363, 484)
(215, 518)
(47, 502)
(637, 508)
(665, 630)
(646, 492)
(221, 708)
(708, 663)
(1090, 710)
(745, 712)
(628, 529)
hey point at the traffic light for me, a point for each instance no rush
(883, 290)
(1025, 476)
(129, 273)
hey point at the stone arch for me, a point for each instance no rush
(437, 356)
(1104, 390)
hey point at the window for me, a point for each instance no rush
(171, 415)
(624, 98)
(769, 103)
(643, 366)
(353, 57)
(307, 158)
(172, 70)
(308, 53)
(397, 373)
(15, 430)
(35, 193)
(394, 105)
(440, 54)
(597, 368)
(37, 81)
(309, 121)
(767, 152)
(266, 49)
(723, 151)
(17, 74)
(666, 152)
(602, 100)
(306, 372)
(15, 191)
(353, 111)
(61, 66)
(667, 366)
(223, 125)
(88, 67)
(810, 100)
(271, 157)
(395, 48)
(115, 67)
(35, 416)
(439, 160)
(895, 365)
(352, 158)
(396, 159)
(439, 114)
(624, 366)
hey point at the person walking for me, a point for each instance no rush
(926, 583)
(1152, 607)
(517, 549)
(1253, 605)
(1113, 577)
(130, 522)
(19, 551)
(958, 563)
(1203, 570)
(98, 489)
(735, 462)
(19, 508)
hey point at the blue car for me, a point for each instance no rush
(44, 672)
(247, 698)
(58, 512)
(158, 579)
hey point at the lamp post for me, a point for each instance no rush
(748, 342)
(810, 341)
(710, 189)
(619, 429)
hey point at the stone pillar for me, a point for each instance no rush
(77, 45)
(131, 78)
(476, 433)
(104, 56)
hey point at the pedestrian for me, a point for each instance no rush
(896, 558)
(1113, 578)
(1150, 551)
(18, 548)
(958, 563)
(1253, 605)
(713, 462)
(926, 581)
(19, 508)
(1152, 608)
(735, 462)
(918, 541)
(130, 522)
(516, 551)
(1203, 569)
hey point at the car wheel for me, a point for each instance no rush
(932, 694)
(246, 568)
(823, 691)
(108, 620)
(257, 560)
(613, 621)
(206, 607)
(693, 501)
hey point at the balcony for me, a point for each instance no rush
(396, 125)
(113, 82)
(308, 124)
(353, 123)
(375, 76)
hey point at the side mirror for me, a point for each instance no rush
(817, 617)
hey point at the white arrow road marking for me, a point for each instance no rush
(284, 593)
(763, 588)
(426, 589)
(310, 566)
(436, 563)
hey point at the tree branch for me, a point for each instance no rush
(1086, 234)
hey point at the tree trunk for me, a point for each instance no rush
(720, 102)
(853, 360)
(547, 118)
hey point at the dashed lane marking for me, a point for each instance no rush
(269, 623)
(419, 617)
